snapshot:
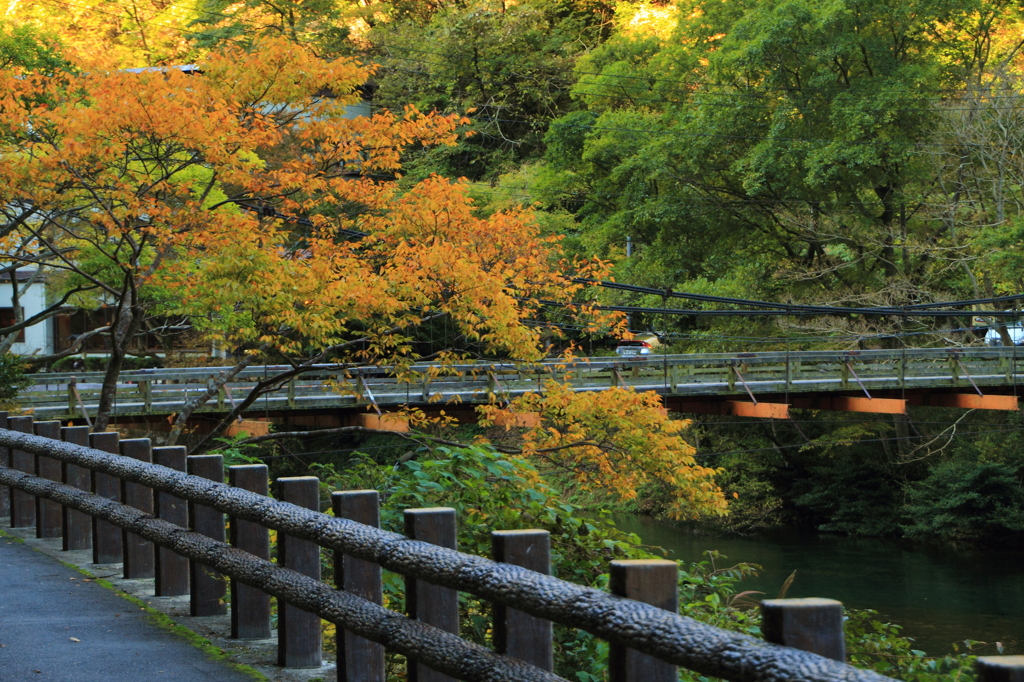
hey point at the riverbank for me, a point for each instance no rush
(940, 595)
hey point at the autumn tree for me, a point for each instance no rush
(113, 33)
(615, 442)
(234, 191)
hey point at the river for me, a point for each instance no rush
(938, 594)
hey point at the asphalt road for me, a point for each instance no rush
(55, 627)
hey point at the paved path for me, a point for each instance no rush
(45, 607)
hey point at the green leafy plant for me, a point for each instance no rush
(12, 378)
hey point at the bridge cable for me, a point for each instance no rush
(903, 362)
(1014, 344)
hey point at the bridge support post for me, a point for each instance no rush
(49, 521)
(814, 625)
(5, 461)
(23, 505)
(139, 554)
(171, 570)
(359, 660)
(1000, 668)
(250, 608)
(432, 604)
(77, 525)
(106, 537)
(655, 582)
(208, 589)
(298, 631)
(517, 634)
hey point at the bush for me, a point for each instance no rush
(12, 379)
(492, 491)
(965, 500)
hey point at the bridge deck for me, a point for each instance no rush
(165, 391)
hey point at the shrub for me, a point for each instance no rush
(967, 501)
(12, 378)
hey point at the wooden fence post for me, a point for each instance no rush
(49, 521)
(146, 388)
(655, 582)
(171, 570)
(77, 525)
(5, 461)
(359, 660)
(106, 537)
(298, 631)
(250, 608)
(23, 505)
(518, 634)
(814, 625)
(208, 585)
(139, 554)
(1000, 668)
(432, 604)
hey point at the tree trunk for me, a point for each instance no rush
(126, 325)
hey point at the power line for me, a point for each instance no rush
(798, 308)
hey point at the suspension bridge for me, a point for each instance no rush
(763, 384)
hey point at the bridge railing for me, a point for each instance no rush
(57, 482)
(158, 391)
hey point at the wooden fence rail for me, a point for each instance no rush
(648, 637)
(162, 391)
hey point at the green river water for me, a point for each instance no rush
(938, 594)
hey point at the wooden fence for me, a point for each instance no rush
(166, 521)
(163, 391)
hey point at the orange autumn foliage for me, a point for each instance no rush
(616, 441)
(229, 197)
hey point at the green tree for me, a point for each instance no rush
(510, 64)
(319, 25)
(786, 149)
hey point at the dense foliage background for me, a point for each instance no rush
(837, 153)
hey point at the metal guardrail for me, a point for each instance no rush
(662, 634)
(162, 391)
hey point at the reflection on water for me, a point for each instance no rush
(939, 595)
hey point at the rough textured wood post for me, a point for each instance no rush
(106, 537)
(655, 582)
(250, 608)
(49, 519)
(77, 525)
(298, 631)
(139, 554)
(1000, 668)
(359, 660)
(23, 505)
(515, 633)
(5, 461)
(171, 570)
(814, 625)
(208, 585)
(432, 604)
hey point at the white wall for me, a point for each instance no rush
(37, 339)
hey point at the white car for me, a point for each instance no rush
(993, 338)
